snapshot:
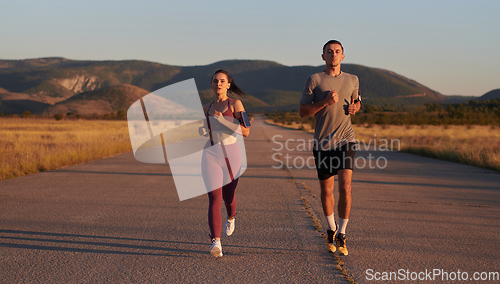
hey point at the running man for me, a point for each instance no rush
(332, 96)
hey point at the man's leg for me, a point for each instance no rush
(345, 201)
(328, 202)
(327, 199)
(345, 198)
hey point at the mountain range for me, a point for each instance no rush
(59, 85)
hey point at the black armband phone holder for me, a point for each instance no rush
(244, 120)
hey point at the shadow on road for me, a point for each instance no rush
(109, 173)
(31, 240)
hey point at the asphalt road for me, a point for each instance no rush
(120, 221)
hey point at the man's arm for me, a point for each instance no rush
(310, 109)
(355, 105)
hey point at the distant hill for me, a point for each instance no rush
(100, 101)
(493, 94)
(20, 106)
(57, 79)
(98, 86)
(453, 99)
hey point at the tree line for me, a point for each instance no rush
(473, 112)
(119, 115)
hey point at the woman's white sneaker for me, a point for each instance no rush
(216, 248)
(229, 227)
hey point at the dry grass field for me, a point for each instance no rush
(474, 145)
(32, 145)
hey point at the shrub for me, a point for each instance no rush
(59, 116)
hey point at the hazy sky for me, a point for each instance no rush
(449, 46)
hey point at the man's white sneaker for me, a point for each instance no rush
(229, 227)
(216, 248)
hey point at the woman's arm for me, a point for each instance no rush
(203, 130)
(238, 108)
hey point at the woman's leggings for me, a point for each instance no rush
(215, 174)
(215, 198)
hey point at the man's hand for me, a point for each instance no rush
(353, 107)
(332, 98)
(309, 109)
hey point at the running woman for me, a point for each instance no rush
(332, 96)
(221, 163)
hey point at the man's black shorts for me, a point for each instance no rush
(330, 161)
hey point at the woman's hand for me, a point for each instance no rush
(203, 131)
(217, 114)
